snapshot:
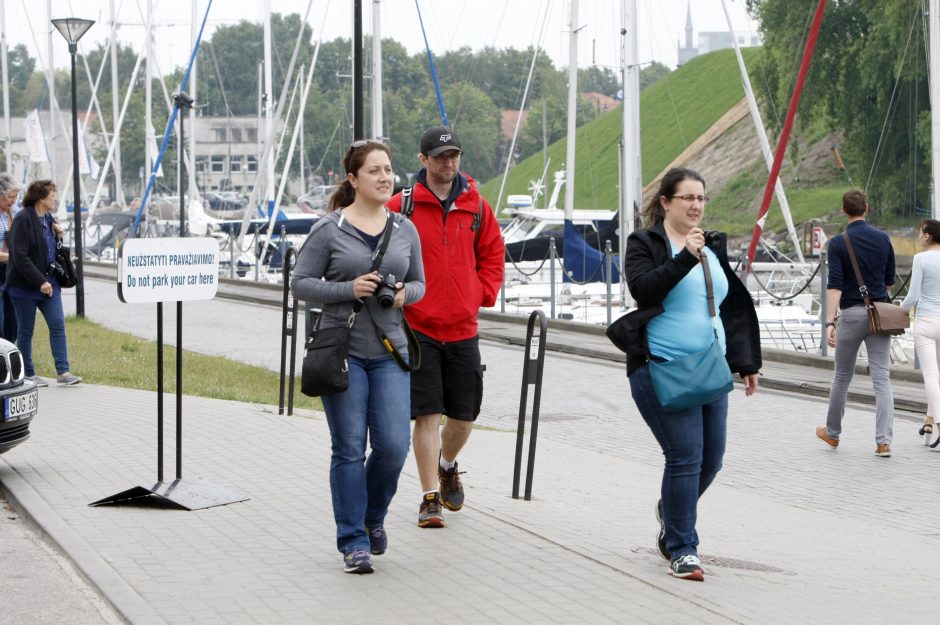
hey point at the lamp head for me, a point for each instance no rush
(72, 28)
(183, 100)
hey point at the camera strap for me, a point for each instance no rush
(377, 257)
(414, 350)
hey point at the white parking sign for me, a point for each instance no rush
(168, 270)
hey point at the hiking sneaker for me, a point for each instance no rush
(823, 434)
(430, 514)
(38, 380)
(661, 539)
(883, 450)
(451, 488)
(68, 379)
(687, 567)
(378, 540)
(358, 561)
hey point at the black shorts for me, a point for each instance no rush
(449, 381)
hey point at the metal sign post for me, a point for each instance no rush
(288, 330)
(159, 270)
(531, 374)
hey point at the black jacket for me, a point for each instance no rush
(28, 251)
(652, 272)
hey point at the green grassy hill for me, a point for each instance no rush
(673, 113)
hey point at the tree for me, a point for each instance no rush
(651, 73)
(868, 79)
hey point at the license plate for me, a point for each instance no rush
(21, 406)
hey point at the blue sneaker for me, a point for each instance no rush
(358, 561)
(661, 539)
(378, 540)
(687, 567)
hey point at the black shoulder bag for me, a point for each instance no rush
(63, 268)
(326, 351)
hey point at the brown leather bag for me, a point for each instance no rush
(883, 317)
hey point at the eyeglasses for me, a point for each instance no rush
(691, 198)
(448, 156)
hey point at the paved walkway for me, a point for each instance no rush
(791, 531)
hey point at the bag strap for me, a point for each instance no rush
(709, 291)
(858, 272)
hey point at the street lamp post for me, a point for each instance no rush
(72, 28)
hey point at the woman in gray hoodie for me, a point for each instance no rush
(333, 269)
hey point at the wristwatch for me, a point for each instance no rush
(830, 324)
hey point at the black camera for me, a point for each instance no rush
(385, 291)
(712, 237)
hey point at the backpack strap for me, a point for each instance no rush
(407, 202)
(408, 208)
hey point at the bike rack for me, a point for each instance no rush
(535, 353)
(288, 329)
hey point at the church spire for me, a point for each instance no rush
(688, 25)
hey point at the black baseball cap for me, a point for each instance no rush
(437, 139)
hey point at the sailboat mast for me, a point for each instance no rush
(630, 161)
(268, 105)
(377, 121)
(193, 92)
(6, 86)
(762, 136)
(148, 95)
(572, 109)
(50, 82)
(785, 132)
(118, 193)
(935, 104)
(358, 125)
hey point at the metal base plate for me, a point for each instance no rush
(192, 493)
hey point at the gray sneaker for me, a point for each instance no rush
(38, 380)
(68, 379)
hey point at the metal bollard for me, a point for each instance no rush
(552, 255)
(288, 329)
(535, 353)
(823, 305)
(608, 277)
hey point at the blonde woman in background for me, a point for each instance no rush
(923, 296)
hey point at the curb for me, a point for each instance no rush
(41, 517)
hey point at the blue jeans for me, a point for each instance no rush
(377, 406)
(693, 442)
(51, 309)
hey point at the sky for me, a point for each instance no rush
(450, 24)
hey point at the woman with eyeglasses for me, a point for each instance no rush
(9, 192)
(923, 296)
(334, 270)
(32, 283)
(672, 319)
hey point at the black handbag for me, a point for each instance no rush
(63, 267)
(326, 352)
(326, 360)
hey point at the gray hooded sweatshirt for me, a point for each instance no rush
(334, 255)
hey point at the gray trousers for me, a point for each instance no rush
(851, 331)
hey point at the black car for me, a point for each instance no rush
(20, 398)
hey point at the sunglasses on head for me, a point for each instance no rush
(361, 143)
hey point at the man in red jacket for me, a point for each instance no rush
(462, 248)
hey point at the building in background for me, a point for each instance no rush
(709, 41)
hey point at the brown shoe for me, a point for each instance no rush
(883, 450)
(823, 433)
(430, 513)
(451, 488)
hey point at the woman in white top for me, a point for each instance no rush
(924, 296)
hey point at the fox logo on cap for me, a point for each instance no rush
(439, 139)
